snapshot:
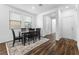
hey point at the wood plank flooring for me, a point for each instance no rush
(3, 50)
(43, 49)
(62, 47)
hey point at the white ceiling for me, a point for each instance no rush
(35, 8)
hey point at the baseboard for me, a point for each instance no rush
(6, 41)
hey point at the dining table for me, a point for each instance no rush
(25, 35)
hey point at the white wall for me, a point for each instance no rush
(54, 25)
(68, 13)
(4, 23)
(77, 25)
(5, 32)
(68, 18)
(58, 25)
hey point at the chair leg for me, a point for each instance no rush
(19, 40)
(33, 40)
(39, 37)
(13, 42)
(24, 41)
(29, 40)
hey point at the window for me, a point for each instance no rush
(15, 21)
(27, 21)
(19, 20)
(14, 24)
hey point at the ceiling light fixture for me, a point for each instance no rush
(67, 7)
(33, 7)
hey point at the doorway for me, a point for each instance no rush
(54, 26)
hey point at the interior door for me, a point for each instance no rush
(67, 27)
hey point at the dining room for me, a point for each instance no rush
(39, 29)
(23, 33)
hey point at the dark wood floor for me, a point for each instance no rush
(62, 47)
(44, 49)
(3, 50)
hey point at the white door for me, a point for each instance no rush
(53, 25)
(67, 27)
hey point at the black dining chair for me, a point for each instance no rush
(38, 33)
(23, 29)
(16, 37)
(31, 35)
(31, 29)
(26, 37)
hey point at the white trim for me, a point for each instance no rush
(7, 49)
(78, 44)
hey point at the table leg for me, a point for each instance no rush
(24, 41)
